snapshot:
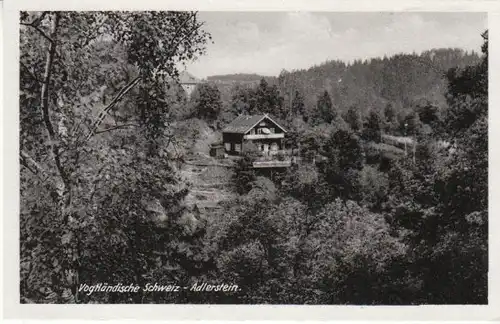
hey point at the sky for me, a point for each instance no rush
(268, 42)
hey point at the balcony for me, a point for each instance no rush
(263, 136)
(273, 159)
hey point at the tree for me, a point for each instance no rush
(353, 119)
(468, 93)
(248, 248)
(464, 191)
(411, 125)
(344, 148)
(244, 174)
(372, 127)
(207, 102)
(344, 158)
(325, 111)
(428, 113)
(356, 250)
(441, 201)
(390, 118)
(266, 99)
(310, 145)
(298, 107)
(389, 113)
(74, 166)
(374, 187)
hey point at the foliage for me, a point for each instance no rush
(244, 174)
(367, 84)
(325, 111)
(344, 150)
(298, 108)
(411, 125)
(429, 114)
(442, 201)
(86, 192)
(310, 145)
(282, 253)
(356, 248)
(207, 102)
(372, 128)
(303, 182)
(260, 99)
(265, 99)
(374, 187)
(344, 158)
(353, 118)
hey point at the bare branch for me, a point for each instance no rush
(116, 127)
(46, 81)
(39, 31)
(186, 37)
(129, 86)
(176, 33)
(113, 102)
(37, 21)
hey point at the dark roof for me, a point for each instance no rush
(244, 123)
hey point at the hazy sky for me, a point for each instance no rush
(267, 42)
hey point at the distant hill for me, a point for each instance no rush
(237, 78)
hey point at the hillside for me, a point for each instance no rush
(237, 77)
(401, 80)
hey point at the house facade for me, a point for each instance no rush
(261, 130)
(188, 83)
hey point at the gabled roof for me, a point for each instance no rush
(244, 123)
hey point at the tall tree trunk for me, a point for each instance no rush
(63, 180)
(69, 275)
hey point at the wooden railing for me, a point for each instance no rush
(263, 136)
(272, 164)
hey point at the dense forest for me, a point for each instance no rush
(390, 205)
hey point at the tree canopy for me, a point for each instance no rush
(94, 132)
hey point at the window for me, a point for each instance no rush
(237, 147)
(252, 131)
(266, 131)
(259, 130)
(271, 129)
(227, 146)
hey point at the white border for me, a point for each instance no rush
(10, 204)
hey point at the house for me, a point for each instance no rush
(188, 82)
(261, 130)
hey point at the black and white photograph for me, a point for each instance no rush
(253, 157)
